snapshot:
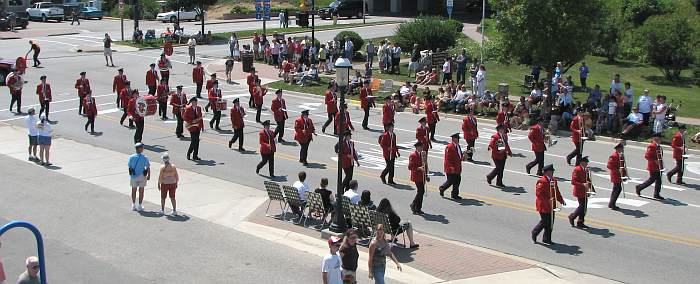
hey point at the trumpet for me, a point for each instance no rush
(660, 158)
(591, 190)
(424, 160)
(548, 138)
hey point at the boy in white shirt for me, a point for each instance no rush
(33, 134)
(330, 267)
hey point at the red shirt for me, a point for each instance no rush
(388, 113)
(151, 77)
(162, 92)
(267, 142)
(388, 143)
(651, 155)
(346, 124)
(415, 161)
(536, 137)
(131, 110)
(178, 101)
(214, 95)
(83, 86)
(258, 94)
(364, 101)
(493, 147)
(198, 75)
(678, 144)
(422, 135)
(469, 128)
(544, 190)
(615, 167)
(190, 115)
(331, 106)
(348, 153)
(237, 117)
(279, 109)
(90, 106)
(124, 97)
(40, 89)
(576, 130)
(431, 112)
(303, 130)
(453, 159)
(578, 178)
(118, 83)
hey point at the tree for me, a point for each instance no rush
(541, 33)
(669, 42)
(607, 41)
(187, 4)
(637, 11)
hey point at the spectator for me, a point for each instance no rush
(565, 100)
(311, 74)
(430, 78)
(420, 75)
(325, 195)
(602, 112)
(281, 18)
(366, 200)
(191, 45)
(330, 267)
(229, 69)
(233, 45)
(140, 172)
(447, 70)
(629, 95)
(74, 18)
(322, 59)
(349, 256)
(370, 53)
(349, 46)
(462, 67)
(413, 65)
(659, 114)
(368, 71)
(583, 75)
(457, 102)
(379, 249)
(620, 110)
(558, 70)
(44, 140)
(108, 49)
(644, 104)
(396, 59)
(33, 133)
(286, 69)
(302, 187)
(535, 73)
(31, 275)
(616, 85)
(634, 121)
(481, 80)
(535, 95)
(351, 193)
(167, 184)
(594, 96)
(395, 221)
(520, 113)
(611, 113)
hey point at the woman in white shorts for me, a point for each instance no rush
(44, 140)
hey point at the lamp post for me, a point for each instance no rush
(342, 78)
(313, 23)
(201, 16)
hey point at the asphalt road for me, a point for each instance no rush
(646, 242)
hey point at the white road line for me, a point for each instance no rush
(53, 41)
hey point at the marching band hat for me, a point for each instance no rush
(138, 145)
(120, 69)
(456, 135)
(266, 122)
(236, 100)
(82, 73)
(306, 112)
(682, 127)
(422, 119)
(619, 145)
(199, 62)
(387, 98)
(347, 132)
(193, 99)
(179, 87)
(279, 91)
(657, 134)
(153, 65)
(42, 77)
(548, 168)
(500, 126)
(584, 159)
(418, 144)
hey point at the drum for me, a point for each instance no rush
(151, 104)
(221, 105)
(168, 48)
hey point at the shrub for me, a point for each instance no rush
(637, 11)
(428, 32)
(241, 10)
(456, 25)
(669, 43)
(357, 41)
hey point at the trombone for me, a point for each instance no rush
(660, 158)
(553, 198)
(548, 138)
(590, 190)
(685, 154)
(623, 172)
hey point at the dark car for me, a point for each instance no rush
(345, 8)
(6, 66)
(21, 21)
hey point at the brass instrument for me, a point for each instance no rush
(623, 172)
(553, 193)
(500, 143)
(591, 190)
(685, 153)
(424, 161)
(660, 158)
(548, 138)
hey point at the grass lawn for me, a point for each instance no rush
(317, 88)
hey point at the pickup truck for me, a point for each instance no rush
(184, 16)
(45, 11)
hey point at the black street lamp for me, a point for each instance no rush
(201, 16)
(342, 79)
(313, 22)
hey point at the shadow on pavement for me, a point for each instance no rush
(482, 163)
(605, 233)
(435, 218)
(564, 248)
(178, 218)
(633, 212)
(150, 214)
(155, 148)
(469, 202)
(210, 163)
(279, 178)
(401, 186)
(316, 166)
(512, 189)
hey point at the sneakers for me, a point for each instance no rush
(162, 213)
(139, 207)
(174, 213)
(133, 207)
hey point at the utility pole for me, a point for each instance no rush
(201, 12)
(137, 11)
(313, 22)
(483, 16)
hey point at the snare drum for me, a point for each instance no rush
(151, 105)
(221, 105)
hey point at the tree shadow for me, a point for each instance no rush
(633, 212)
(401, 186)
(178, 218)
(316, 166)
(621, 64)
(660, 80)
(605, 233)
(564, 248)
(435, 218)
(468, 202)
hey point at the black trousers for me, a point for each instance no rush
(470, 145)
(258, 109)
(580, 211)
(348, 176)
(365, 118)
(138, 135)
(35, 57)
(546, 222)
(453, 180)
(124, 115)
(163, 109)
(90, 122)
(80, 104)
(279, 130)
(215, 120)
(238, 135)
(395, 68)
(655, 178)
(446, 77)
(152, 90)
(178, 128)
(678, 169)
(431, 129)
(539, 161)
(194, 143)
(417, 203)
(389, 169)
(118, 100)
(328, 122)
(497, 171)
(617, 188)
(577, 152)
(17, 97)
(44, 108)
(304, 152)
(462, 75)
(199, 89)
(583, 83)
(268, 159)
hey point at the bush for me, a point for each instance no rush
(456, 25)
(428, 32)
(241, 10)
(357, 41)
(149, 10)
(637, 11)
(607, 41)
(669, 43)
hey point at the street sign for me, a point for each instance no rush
(266, 9)
(262, 9)
(121, 6)
(450, 4)
(258, 9)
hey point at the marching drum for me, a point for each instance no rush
(151, 105)
(221, 104)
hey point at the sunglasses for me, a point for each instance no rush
(34, 266)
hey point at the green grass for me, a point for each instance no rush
(316, 88)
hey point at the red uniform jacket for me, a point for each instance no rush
(578, 178)
(40, 92)
(190, 115)
(90, 106)
(279, 109)
(198, 75)
(677, 144)
(423, 137)
(415, 161)
(258, 94)
(209, 85)
(267, 142)
(178, 102)
(131, 110)
(237, 117)
(347, 124)
(124, 98)
(250, 80)
(83, 86)
(495, 153)
(364, 100)
(501, 117)
(653, 164)
(431, 113)
(388, 113)
(453, 159)
(11, 83)
(118, 83)
(575, 128)
(614, 165)
(536, 136)
(162, 92)
(469, 128)
(388, 143)
(163, 66)
(213, 95)
(303, 130)
(331, 106)
(544, 194)
(152, 78)
(348, 152)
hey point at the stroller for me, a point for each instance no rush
(670, 116)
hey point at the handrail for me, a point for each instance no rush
(39, 243)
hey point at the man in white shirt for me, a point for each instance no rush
(458, 100)
(644, 104)
(330, 267)
(634, 121)
(659, 114)
(351, 193)
(302, 187)
(616, 85)
(33, 132)
(348, 48)
(395, 59)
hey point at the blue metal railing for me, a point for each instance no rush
(39, 243)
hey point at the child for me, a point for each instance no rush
(229, 68)
(286, 68)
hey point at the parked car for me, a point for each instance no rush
(45, 11)
(184, 16)
(91, 13)
(346, 8)
(6, 66)
(68, 10)
(21, 21)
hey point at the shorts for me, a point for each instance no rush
(413, 65)
(44, 140)
(168, 189)
(139, 181)
(191, 50)
(33, 140)
(108, 51)
(349, 276)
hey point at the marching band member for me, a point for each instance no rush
(547, 192)
(418, 166)
(118, 84)
(678, 145)
(303, 133)
(43, 90)
(90, 107)
(536, 137)
(164, 66)
(365, 104)
(617, 171)
(179, 101)
(279, 111)
(83, 87)
(194, 117)
(349, 157)
(471, 133)
(388, 111)
(251, 79)
(390, 152)
(267, 149)
(432, 114)
(502, 116)
(198, 78)
(423, 134)
(331, 102)
(581, 186)
(578, 131)
(453, 167)
(152, 79)
(258, 93)
(347, 123)
(209, 85)
(655, 165)
(125, 97)
(237, 114)
(163, 92)
(136, 116)
(214, 95)
(15, 82)
(500, 151)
